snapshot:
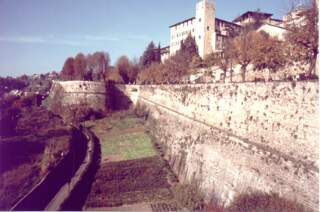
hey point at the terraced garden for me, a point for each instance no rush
(132, 175)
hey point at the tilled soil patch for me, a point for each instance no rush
(129, 182)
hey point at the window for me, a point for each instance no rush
(208, 28)
(199, 19)
(199, 36)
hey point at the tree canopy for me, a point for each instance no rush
(127, 69)
(151, 55)
(303, 35)
(89, 67)
(173, 69)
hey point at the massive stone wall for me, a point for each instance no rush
(75, 94)
(239, 138)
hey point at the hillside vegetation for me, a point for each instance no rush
(32, 142)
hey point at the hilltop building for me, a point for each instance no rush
(210, 32)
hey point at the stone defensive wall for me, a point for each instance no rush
(239, 138)
(74, 93)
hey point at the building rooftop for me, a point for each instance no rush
(190, 19)
(181, 22)
(228, 22)
(275, 19)
(252, 13)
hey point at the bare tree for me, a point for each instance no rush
(303, 35)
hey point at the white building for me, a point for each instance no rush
(262, 22)
(207, 30)
(210, 32)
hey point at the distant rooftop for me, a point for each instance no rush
(190, 19)
(252, 13)
(181, 22)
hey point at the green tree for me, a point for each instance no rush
(157, 57)
(173, 69)
(188, 49)
(149, 56)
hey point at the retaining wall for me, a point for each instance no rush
(239, 138)
(88, 94)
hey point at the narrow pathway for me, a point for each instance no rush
(80, 192)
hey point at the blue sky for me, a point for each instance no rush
(36, 36)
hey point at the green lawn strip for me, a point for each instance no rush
(125, 123)
(109, 124)
(129, 146)
(139, 147)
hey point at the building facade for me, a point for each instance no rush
(207, 30)
(210, 32)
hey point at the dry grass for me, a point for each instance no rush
(265, 203)
(257, 202)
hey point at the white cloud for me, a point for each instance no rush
(77, 40)
(22, 39)
(100, 38)
(139, 37)
(50, 40)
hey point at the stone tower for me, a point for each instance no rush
(205, 34)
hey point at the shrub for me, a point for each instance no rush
(189, 196)
(263, 202)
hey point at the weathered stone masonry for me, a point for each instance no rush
(239, 138)
(233, 138)
(79, 93)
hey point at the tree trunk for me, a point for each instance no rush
(243, 72)
(312, 67)
(269, 76)
(231, 71)
(317, 65)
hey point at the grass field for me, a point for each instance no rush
(128, 146)
(122, 138)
